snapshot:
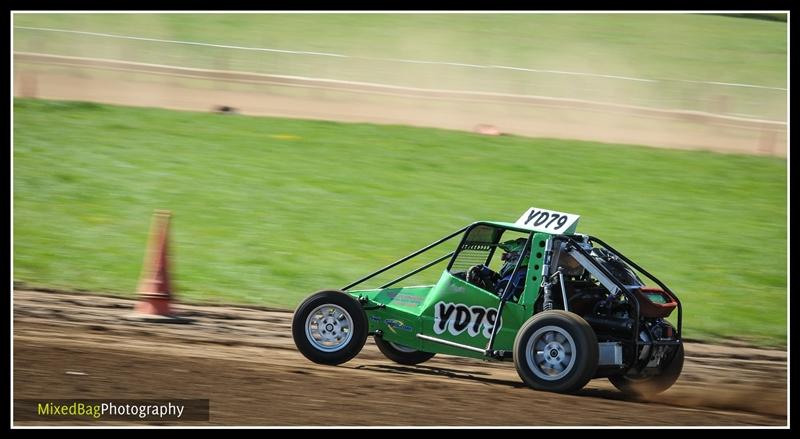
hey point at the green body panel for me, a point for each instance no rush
(453, 310)
(462, 301)
(399, 318)
(533, 281)
(412, 310)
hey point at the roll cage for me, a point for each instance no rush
(481, 239)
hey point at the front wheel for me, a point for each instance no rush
(402, 354)
(556, 351)
(654, 384)
(330, 327)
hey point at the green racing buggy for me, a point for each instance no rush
(564, 307)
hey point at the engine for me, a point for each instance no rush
(612, 313)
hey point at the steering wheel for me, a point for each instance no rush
(473, 274)
(483, 277)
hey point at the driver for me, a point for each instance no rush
(513, 250)
(483, 277)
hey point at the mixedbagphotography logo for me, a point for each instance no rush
(111, 409)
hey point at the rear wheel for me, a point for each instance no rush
(402, 354)
(330, 327)
(654, 384)
(556, 351)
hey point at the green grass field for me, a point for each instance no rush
(268, 210)
(692, 47)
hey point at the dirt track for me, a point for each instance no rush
(244, 361)
(125, 88)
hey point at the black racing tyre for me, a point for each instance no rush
(556, 351)
(655, 384)
(330, 327)
(402, 354)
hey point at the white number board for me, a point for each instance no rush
(548, 221)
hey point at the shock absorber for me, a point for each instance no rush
(547, 303)
(547, 284)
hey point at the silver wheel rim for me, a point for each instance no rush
(402, 348)
(329, 328)
(550, 353)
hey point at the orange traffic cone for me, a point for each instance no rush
(155, 293)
